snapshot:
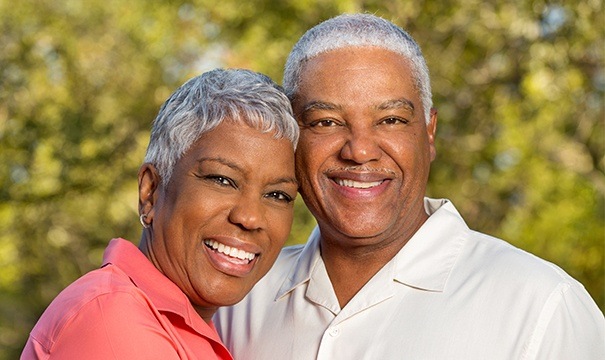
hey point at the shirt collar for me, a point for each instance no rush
(427, 259)
(165, 295)
(425, 262)
(303, 267)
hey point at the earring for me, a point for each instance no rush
(142, 220)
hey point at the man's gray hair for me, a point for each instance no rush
(355, 30)
(205, 101)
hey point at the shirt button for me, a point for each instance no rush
(334, 332)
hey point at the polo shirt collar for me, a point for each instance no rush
(425, 262)
(165, 295)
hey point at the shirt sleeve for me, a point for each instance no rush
(119, 325)
(571, 326)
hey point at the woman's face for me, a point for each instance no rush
(219, 225)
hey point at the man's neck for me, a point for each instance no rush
(349, 274)
(351, 263)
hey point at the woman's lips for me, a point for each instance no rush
(229, 250)
(230, 260)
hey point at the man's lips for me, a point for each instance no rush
(357, 184)
(359, 179)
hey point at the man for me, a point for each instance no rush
(389, 274)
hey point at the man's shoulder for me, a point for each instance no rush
(483, 255)
(488, 256)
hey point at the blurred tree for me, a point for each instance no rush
(80, 83)
(519, 87)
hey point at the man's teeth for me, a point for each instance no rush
(230, 251)
(357, 184)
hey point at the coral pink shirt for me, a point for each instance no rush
(126, 309)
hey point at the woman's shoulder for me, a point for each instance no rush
(100, 296)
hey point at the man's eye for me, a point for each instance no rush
(323, 123)
(392, 120)
(279, 195)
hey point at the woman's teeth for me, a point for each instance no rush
(230, 251)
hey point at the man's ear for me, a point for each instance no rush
(149, 190)
(431, 129)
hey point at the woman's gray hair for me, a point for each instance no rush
(205, 101)
(358, 30)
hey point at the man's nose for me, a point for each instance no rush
(361, 147)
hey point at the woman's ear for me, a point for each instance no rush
(149, 187)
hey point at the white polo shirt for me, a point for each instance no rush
(450, 293)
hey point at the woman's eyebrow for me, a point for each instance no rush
(219, 160)
(285, 180)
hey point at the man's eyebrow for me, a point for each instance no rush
(320, 105)
(396, 104)
(402, 103)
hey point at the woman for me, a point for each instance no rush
(216, 196)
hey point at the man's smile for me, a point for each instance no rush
(357, 184)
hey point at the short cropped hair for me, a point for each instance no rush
(356, 30)
(205, 101)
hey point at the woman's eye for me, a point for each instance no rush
(279, 195)
(221, 180)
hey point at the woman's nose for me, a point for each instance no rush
(248, 214)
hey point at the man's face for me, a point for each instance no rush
(365, 150)
(225, 215)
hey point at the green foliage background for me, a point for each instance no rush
(519, 86)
